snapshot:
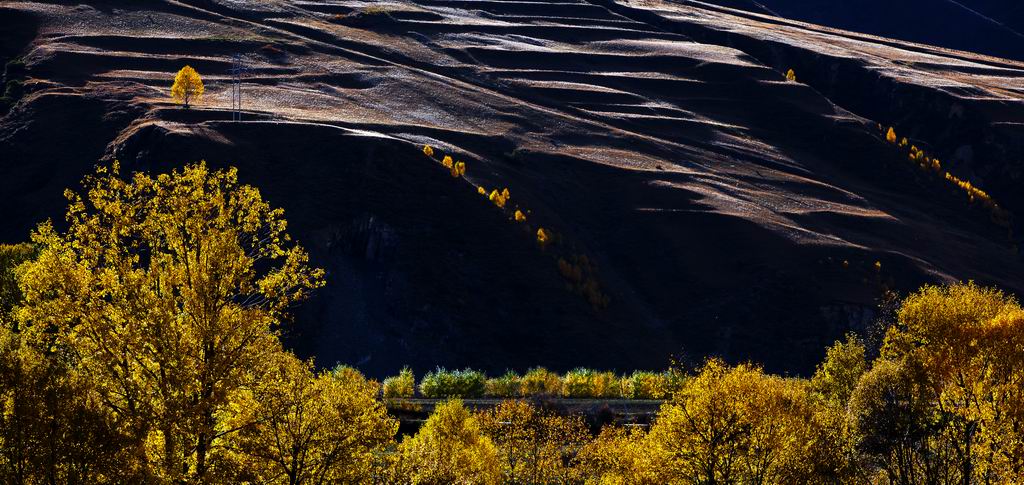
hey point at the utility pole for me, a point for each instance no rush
(237, 69)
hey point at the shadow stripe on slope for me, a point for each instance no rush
(994, 129)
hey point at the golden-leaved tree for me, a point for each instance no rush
(165, 293)
(945, 402)
(894, 424)
(739, 425)
(450, 448)
(300, 427)
(535, 446)
(619, 456)
(187, 87)
(11, 256)
(831, 443)
(837, 376)
(50, 432)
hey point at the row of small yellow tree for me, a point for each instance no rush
(140, 345)
(579, 272)
(926, 162)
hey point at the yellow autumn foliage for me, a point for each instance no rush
(51, 431)
(739, 425)
(458, 169)
(449, 448)
(890, 135)
(187, 87)
(308, 426)
(168, 290)
(11, 256)
(973, 193)
(499, 198)
(401, 386)
(140, 345)
(619, 456)
(542, 236)
(646, 385)
(836, 377)
(945, 401)
(999, 215)
(791, 76)
(428, 150)
(540, 381)
(519, 216)
(534, 445)
(508, 385)
(588, 383)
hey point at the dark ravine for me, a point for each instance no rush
(727, 212)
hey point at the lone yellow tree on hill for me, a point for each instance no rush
(188, 86)
(890, 135)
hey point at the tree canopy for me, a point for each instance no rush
(141, 345)
(188, 86)
(166, 294)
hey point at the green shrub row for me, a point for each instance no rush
(402, 385)
(456, 383)
(578, 383)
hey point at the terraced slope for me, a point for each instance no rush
(721, 209)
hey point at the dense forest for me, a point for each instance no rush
(140, 344)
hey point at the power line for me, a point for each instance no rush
(238, 69)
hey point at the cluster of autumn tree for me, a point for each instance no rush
(140, 345)
(926, 162)
(580, 274)
(942, 402)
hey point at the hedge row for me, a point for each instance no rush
(577, 383)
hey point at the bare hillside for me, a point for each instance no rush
(696, 201)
